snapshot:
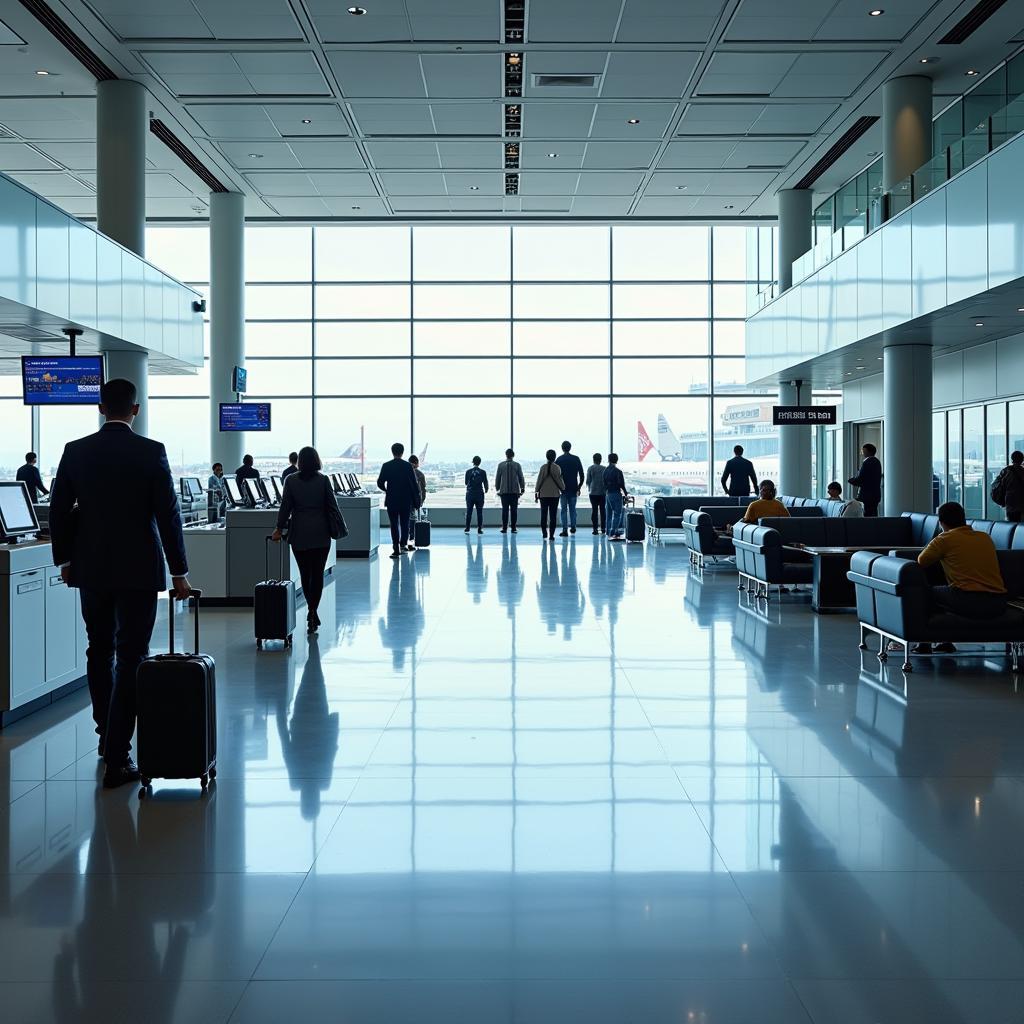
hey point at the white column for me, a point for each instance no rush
(795, 445)
(122, 125)
(795, 236)
(227, 317)
(907, 426)
(906, 127)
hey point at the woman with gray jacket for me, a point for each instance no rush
(310, 513)
(548, 491)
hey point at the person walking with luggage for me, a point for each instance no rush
(1008, 488)
(476, 488)
(573, 479)
(869, 481)
(309, 512)
(293, 466)
(421, 480)
(510, 484)
(246, 471)
(401, 491)
(596, 490)
(615, 494)
(30, 477)
(738, 475)
(114, 554)
(547, 490)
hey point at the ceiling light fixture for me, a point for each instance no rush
(632, 120)
(356, 207)
(979, 324)
(876, 13)
(474, 188)
(1020, 309)
(357, 11)
(730, 207)
(924, 60)
(42, 73)
(307, 120)
(971, 72)
(682, 188)
(255, 156)
(551, 156)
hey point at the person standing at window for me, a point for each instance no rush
(869, 481)
(29, 476)
(421, 480)
(738, 475)
(476, 488)
(510, 485)
(401, 491)
(596, 490)
(615, 492)
(293, 466)
(547, 491)
(573, 479)
(1007, 488)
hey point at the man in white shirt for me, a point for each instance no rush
(852, 509)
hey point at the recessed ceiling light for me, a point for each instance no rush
(879, 358)
(632, 120)
(551, 156)
(730, 207)
(41, 72)
(979, 324)
(474, 188)
(1020, 309)
(682, 188)
(971, 73)
(357, 10)
(860, 367)
(356, 207)
(876, 13)
(307, 120)
(925, 60)
(255, 156)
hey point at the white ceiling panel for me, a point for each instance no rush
(53, 185)
(544, 156)
(325, 153)
(249, 19)
(361, 207)
(548, 183)
(76, 156)
(668, 21)
(721, 206)
(467, 118)
(324, 119)
(233, 120)
(756, 20)
(728, 153)
(557, 120)
(464, 183)
(420, 204)
(542, 204)
(760, 20)
(378, 74)
(300, 207)
(482, 155)
(400, 183)
(609, 183)
(279, 185)
(462, 75)
(612, 120)
(565, 21)
(343, 183)
(563, 63)
(728, 183)
(648, 75)
(405, 154)
(601, 206)
(697, 153)
(152, 19)
(263, 73)
(620, 155)
(8, 37)
(754, 118)
(393, 118)
(15, 156)
(827, 74)
(476, 204)
(745, 74)
(385, 21)
(257, 155)
(764, 153)
(469, 20)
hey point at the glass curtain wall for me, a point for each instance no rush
(464, 340)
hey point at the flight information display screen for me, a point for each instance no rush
(244, 415)
(61, 380)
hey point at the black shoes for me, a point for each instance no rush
(466, 530)
(594, 532)
(479, 529)
(114, 777)
(101, 746)
(514, 530)
(572, 529)
(564, 533)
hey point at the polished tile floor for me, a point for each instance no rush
(524, 783)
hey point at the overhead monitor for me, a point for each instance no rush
(230, 486)
(239, 376)
(61, 380)
(17, 516)
(236, 416)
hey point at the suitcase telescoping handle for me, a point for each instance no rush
(281, 576)
(195, 595)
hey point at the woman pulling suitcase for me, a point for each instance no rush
(309, 512)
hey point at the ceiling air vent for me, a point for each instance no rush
(566, 81)
(63, 32)
(185, 155)
(971, 22)
(845, 141)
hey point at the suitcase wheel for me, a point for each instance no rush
(259, 645)
(213, 773)
(204, 781)
(288, 640)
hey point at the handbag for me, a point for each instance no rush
(336, 525)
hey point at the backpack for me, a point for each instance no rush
(1008, 488)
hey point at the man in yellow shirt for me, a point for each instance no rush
(765, 505)
(975, 587)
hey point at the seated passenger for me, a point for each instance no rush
(852, 509)
(975, 587)
(765, 505)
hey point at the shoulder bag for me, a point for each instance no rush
(336, 525)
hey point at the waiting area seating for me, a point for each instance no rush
(893, 601)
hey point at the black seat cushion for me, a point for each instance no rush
(1002, 535)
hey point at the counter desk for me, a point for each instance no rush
(362, 517)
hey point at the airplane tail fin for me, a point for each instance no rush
(644, 445)
(668, 443)
(423, 455)
(353, 451)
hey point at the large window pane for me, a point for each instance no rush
(464, 339)
(544, 253)
(461, 377)
(278, 302)
(730, 300)
(660, 253)
(729, 338)
(180, 385)
(288, 339)
(383, 339)
(939, 459)
(560, 339)
(676, 460)
(182, 252)
(452, 302)
(543, 423)
(1016, 414)
(746, 421)
(378, 253)
(291, 421)
(550, 301)
(343, 424)
(730, 253)
(280, 376)
(667, 376)
(669, 338)
(16, 436)
(954, 450)
(362, 301)
(363, 377)
(58, 426)
(278, 253)
(974, 462)
(183, 425)
(731, 375)
(996, 455)
(560, 376)
(473, 253)
(643, 301)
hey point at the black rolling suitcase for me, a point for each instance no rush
(273, 604)
(634, 523)
(177, 713)
(421, 530)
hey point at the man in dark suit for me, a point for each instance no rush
(112, 547)
(869, 481)
(739, 475)
(29, 476)
(401, 494)
(247, 471)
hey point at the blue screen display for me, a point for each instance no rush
(245, 416)
(61, 380)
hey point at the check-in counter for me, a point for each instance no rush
(42, 636)
(362, 517)
(206, 548)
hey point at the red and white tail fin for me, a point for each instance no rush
(353, 451)
(644, 444)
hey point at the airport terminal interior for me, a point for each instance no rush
(702, 762)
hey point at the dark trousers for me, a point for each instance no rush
(119, 624)
(509, 510)
(312, 563)
(478, 504)
(870, 507)
(548, 514)
(398, 520)
(1013, 515)
(597, 511)
(971, 604)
